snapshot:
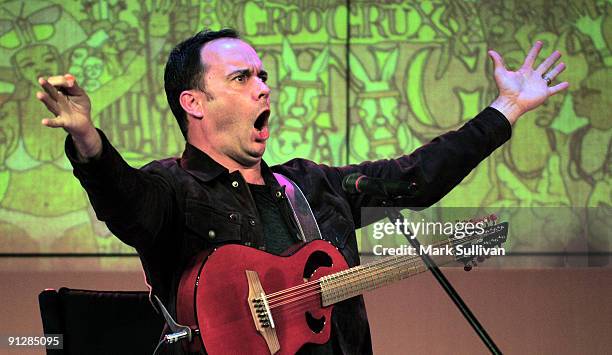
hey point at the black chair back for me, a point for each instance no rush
(101, 322)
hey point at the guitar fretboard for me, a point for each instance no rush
(357, 280)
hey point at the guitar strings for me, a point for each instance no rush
(311, 285)
(306, 284)
(341, 284)
(303, 291)
(379, 267)
(273, 295)
(358, 275)
(355, 273)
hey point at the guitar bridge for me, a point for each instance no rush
(260, 310)
(263, 311)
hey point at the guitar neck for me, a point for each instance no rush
(357, 280)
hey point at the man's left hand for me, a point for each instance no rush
(527, 88)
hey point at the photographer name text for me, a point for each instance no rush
(458, 250)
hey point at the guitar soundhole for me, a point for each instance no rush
(316, 325)
(315, 261)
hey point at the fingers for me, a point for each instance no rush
(51, 104)
(54, 122)
(548, 62)
(66, 84)
(556, 71)
(498, 62)
(49, 89)
(532, 55)
(557, 88)
(60, 80)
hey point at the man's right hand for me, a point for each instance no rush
(72, 109)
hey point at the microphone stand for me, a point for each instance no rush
(394, 214)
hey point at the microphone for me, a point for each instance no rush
(358, 183)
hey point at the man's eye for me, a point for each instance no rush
(240, 78)
(263, 77)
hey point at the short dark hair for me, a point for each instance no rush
(184, 70)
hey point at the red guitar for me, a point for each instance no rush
(246, 301)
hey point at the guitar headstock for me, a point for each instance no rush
(474, 249)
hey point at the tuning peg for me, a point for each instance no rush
(467, 267)
(480, 258)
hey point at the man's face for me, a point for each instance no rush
(236, 111)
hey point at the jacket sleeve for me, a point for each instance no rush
(135, 204)
(436, 167)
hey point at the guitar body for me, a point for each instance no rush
(213, 297)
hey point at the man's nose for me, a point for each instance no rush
(263, 90)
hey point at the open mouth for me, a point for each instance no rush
(262, 120)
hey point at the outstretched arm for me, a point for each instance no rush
(438, 166)
(525, 89)
(137, 205)
(71, 107)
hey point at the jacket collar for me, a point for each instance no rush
(205, 168)
(200, 164)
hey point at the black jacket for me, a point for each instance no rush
(173, 208)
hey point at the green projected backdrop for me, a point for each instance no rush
(417, 69)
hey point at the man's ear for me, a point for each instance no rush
(190, 103)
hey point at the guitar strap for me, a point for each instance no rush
(304, 218)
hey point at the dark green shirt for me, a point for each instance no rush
(276, 233)
(277, 239)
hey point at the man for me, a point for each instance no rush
(221, 190)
